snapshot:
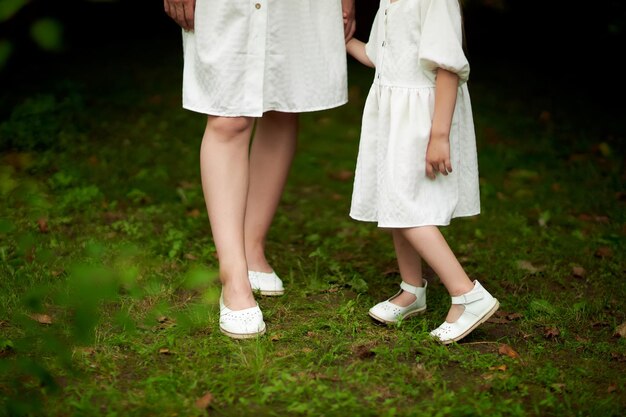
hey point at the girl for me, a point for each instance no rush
(417, 127)
(259, 61)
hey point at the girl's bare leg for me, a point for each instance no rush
(432, 246)
(410, 265)
(271, 154)
(224, 172)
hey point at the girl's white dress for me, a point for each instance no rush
(246, 57)
(409, 40)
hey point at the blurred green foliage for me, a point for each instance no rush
(45, 31)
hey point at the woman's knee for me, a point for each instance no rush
(229, 127)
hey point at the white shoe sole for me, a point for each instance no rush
(478, 323)
(406, 316)
(267, 293)
(243, 335)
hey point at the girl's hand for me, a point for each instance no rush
(438, 157)
(349, 22)
(182, 11)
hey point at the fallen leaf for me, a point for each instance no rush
(618, 357)
(191, 257)
(193, 213)
(164, 351)
(498, 320)
(514, 316)
(163, 319)
(621, 330)
(205, 401)
(604, 252)
(307, 350)
(275, 337)
(551, 332)
(558, 387)
(498, 368)
(42, 222)
(507, 350)
(527, 266)
(85, 350)
(508, 316)
(364, 352)
(342, 175)
(41, 318)
(579, 271)
(581, 339)
(612, 388)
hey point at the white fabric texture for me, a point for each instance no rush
(246, 57)
(409, 40)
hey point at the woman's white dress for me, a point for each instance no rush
(246, 57)
(409, 40)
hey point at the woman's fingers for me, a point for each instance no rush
(181, 11)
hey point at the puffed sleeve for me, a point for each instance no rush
(371, 47)
(441, 40)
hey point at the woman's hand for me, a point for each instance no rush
(438, 156)
(182, 11)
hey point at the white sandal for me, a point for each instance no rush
(390, 313)
(241, 324)
(479, 306)
(266, 283)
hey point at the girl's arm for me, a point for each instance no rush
(438, 153)
(356, 48)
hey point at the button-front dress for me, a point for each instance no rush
(246, 57)
(409, 40)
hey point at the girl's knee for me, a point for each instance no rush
(229, 127)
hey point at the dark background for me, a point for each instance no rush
(556, 44)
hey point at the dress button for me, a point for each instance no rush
(258, 5)
(383, 43)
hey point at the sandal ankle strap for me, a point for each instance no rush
(412, 288)
(468, 298)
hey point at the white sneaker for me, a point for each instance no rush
(241, 324)
(389, 313)
(479, 306)
(266, 283)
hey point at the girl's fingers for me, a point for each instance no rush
(441, 167)
(448, 165)
(429, 171)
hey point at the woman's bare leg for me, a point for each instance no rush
(271, 154)
(433, 248)
(224, 172)
(410, 265)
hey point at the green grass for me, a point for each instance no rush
(103, 229)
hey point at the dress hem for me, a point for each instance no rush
(256, 114)
(417, 224)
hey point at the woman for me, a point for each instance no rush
(260, 61)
